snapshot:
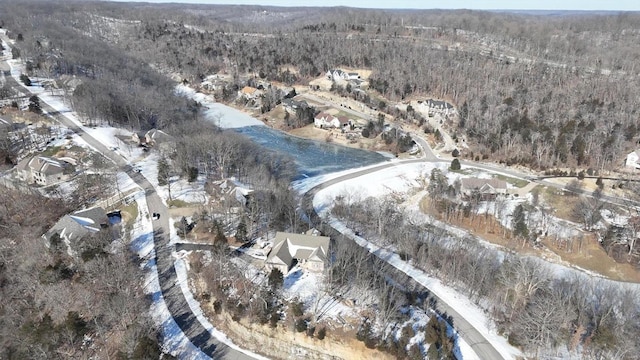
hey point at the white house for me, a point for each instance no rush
(337, 74)
(324, 120)
(327, 121)
(633, 160)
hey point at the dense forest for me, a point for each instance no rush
(542, 91)
(56, 305)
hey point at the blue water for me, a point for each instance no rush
(311, 157)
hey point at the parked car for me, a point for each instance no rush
(155, 216)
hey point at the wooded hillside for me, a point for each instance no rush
(545, 91)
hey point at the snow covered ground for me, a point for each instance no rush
(398, 179)
(406, 178)
(225, 117)
(175, 342)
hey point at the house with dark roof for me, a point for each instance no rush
(437, 106)
(72, 227)
(307, 250)
(487, 189)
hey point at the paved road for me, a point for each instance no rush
(172, 293)
(478, 342)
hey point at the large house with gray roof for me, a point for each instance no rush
(41, 170)
(73, 227)
(308, 251)
(487, 189)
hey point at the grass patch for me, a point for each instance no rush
(564, 204)
(589, 255)
(519, 183)
(348, 115)
(50, 151)
(179, 203)
(130, 212)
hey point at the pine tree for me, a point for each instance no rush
(519, 222)
(241, 231)
(163, 172)
(276, 279)
(455, 165)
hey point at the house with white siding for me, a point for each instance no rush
(633, 160)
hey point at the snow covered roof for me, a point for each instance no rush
(45, 165)
(79, 224)
(484, 185)
(298, 246)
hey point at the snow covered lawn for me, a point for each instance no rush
(397, 179)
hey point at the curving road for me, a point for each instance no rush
(472, 336)
(171, 291)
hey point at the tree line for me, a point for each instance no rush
(537, 310)
(526, 94)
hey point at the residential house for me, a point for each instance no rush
(633, 160)
(73, 227)
(337, 75)
(151, 137)
(41, 170)
(327, 121)
(438, 106)
(308, 251)
(229, 193)
(344, 122)
(249, 93)
(141, 138)
(487, 189)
